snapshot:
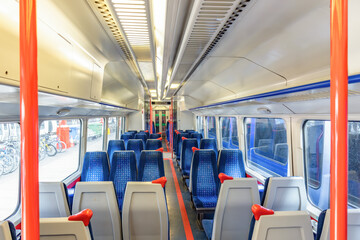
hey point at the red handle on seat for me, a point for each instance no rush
(183, 138)
(159, 133)
(223, 177)
(161, 181)
(194, 149)
(160, 150)
(146, 131)
(258, 211)
(84, 216)
(160, 138)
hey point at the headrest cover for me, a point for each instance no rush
(146, 131)
(223, 177)
(161, 181)
(160, 138)
(84, 216)
(183, 138)
(159, 133)
(160, 150)
(194, 149)
(258, 211)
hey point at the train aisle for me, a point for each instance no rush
(182, 216)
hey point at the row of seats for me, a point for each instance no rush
(143, 136)
(123, 168)
(144, 213)
(135, 145)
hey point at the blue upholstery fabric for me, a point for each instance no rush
(187, 154)
(153, 144)
(115, 145)
(320, 224)
(205, 181)
(251, 231)
(155, 136)
(231, 163)
(196, 135)
(180, 144)
(132, 133)
(12, 230)
(176, 137)
(137, 146)
(142, 136)
(209, 143)
(67, 197)
(126, 137)
(123, 170)
(265, 190)
(146, 133)
(168, 131)
(208, 227)
(151, 166)
(95, 167)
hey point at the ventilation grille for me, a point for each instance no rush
(213, 20)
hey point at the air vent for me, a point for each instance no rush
(209, 21)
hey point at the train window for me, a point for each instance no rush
(112, 128)
(266, 146)
(211, 127)
(317, 162)
(9, 168)
(229, 135)
(95, 134)
(121, 126)
(59, 149)
(200, 124)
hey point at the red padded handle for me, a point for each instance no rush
(223, 177)
(194, 149)
(160, 150)
(258, 211)
(161, 181)
(84, 216)
(183, 138)
(160, 138)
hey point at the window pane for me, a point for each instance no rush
(95, 134)
(317, 163)
(229, 134)
(211, 127)
(200, 125)
(9, 168)
(121, 126)
(59, 149)
(112, 128)
(266, 146)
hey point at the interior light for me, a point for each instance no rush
(128, 1)
(152, 90)
(63, 112)
(174, 86)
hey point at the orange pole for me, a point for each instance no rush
(339, 119)
(171, 129)
(151, 121)
(29, 121)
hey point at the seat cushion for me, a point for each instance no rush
(208, 227)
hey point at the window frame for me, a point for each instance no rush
(237, 128)
(103, 131)
(206, 130)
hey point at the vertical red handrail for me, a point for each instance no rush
(339, 119)
(29, 121)
(171, 128)
(151, 117)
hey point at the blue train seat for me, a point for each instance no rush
(153, 144)
(7, 231)
(204, 180)
(233, 210)
(198, 137)
(126, 138)
(142, 136)
(189, 131)
(186, 155)
(131, 133)
(151, 166)
(95, 167)
(146, 132)
(209, 143)
(176, 135)
(155, 136)
(323, 227)
(179, 142)
(100, 197)
(145, 214)
(53, 200)
(115, 145)
(231, 163)
(122, 170)
(137, 146)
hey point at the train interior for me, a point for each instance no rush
(179, 119)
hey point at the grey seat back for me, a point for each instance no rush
(7, 231)
(284, 225)
(353, 225)
(233, 210)
(100, 197)
(285, 194)
(144, 213)
(52, 200)
(62, 228)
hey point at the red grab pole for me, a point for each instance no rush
(171, 129)
(29, 121)
(151, 117)
(339, 119)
